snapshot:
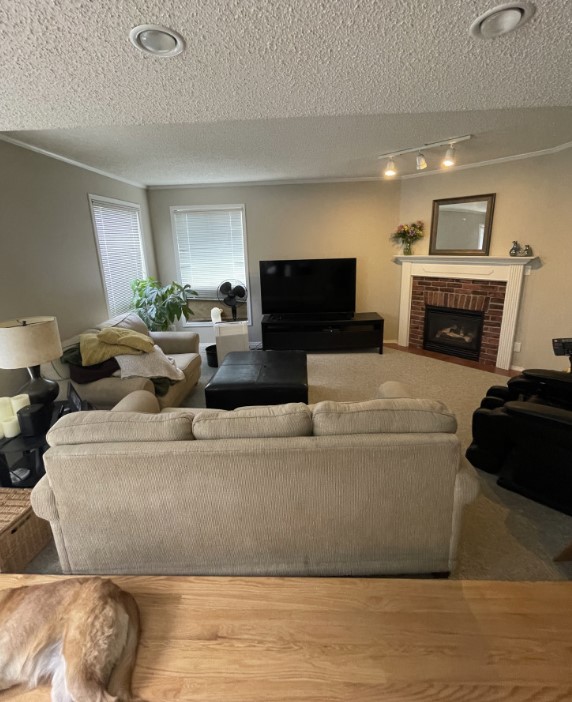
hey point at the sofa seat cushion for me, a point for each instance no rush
(106, 426)
(260, 422)
(186, 361)
(392, 416)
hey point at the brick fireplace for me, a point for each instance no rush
(474, 295)
(488, 284)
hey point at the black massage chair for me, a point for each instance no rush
(523, 431)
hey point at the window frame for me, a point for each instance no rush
(211, 208)
(124, 203)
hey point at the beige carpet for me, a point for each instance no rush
(505, 536)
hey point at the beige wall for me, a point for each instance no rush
(48, 259)
(302, 221)
(533, 206)
(49, 263)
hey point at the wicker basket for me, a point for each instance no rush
(22, 534)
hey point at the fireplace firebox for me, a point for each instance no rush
(453, 331)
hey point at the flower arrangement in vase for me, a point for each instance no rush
(407, 234)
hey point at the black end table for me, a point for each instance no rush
(258, 378)
(31, 450)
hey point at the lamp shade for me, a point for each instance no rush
(29, 341)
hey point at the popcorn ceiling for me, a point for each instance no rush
(278, 89)
(69, 63)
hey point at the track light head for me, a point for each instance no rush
(390, 169)
(449, 159)
(421, 162)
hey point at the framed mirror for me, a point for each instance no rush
(461, 226)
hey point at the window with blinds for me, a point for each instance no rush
(117, 228)
(210, 244)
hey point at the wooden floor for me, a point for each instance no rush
(280, 639)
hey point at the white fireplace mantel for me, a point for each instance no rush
(504, 268)
(475, 260)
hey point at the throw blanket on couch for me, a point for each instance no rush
(94, 351)
(150, 365)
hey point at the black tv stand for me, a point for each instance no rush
(322, 332)
(305, 317)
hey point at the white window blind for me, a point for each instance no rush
(210, 246)
(119, 243)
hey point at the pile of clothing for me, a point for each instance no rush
(122, 353)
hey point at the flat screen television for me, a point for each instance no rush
(311, 286)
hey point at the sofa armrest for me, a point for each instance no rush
(107, 392)
(466, 485)
(466, 491)
(176, 341)
(139, 401)
(44, 501)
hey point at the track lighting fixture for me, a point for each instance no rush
(449, 159)
(421, 162)
(390, 169)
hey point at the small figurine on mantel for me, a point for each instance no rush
(526, 251)
(515, 249)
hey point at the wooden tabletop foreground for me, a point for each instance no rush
(212, 639)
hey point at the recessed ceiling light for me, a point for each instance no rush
(502, 19)
(157, 40)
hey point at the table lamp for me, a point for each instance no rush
(26, 343)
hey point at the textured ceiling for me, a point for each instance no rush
(268, 74)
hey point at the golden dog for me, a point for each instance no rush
(80, 634)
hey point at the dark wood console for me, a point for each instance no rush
(291, 332)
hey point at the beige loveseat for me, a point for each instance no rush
(181, 346)
(360, 488)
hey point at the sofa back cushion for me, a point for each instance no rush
(106, 426)
(56, 369)
(398, 416)
(128, 320)
(264, 422)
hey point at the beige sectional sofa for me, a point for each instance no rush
(360, 488)
(181, 346)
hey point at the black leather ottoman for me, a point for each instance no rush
(258, 378)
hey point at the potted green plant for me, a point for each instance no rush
(160, 306)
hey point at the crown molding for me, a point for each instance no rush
(492, 161)
(69, 161)
(289, 181)
(361, 179)
(251, 183)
